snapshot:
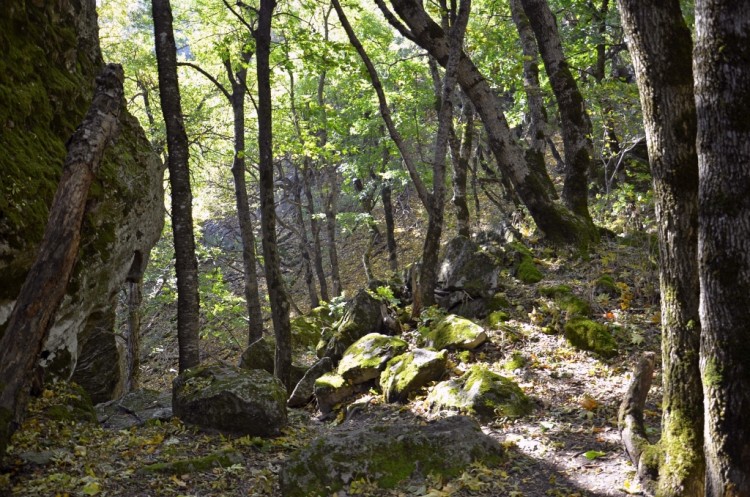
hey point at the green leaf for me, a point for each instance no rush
(92, 488)
(594, 454)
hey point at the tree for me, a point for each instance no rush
(45, 284)
(722, 70)
(556, 222)
(660, 46)
(274, 279)
(186, 265)
(574, 120)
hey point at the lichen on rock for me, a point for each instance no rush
(367, 357)
(454, 332)
(411, 371)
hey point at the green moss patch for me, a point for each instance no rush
(221, 459)
(454, 332)
(590, 335)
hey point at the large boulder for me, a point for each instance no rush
(331, 389)
(261, 355)
(454, 332)
(387, 453)
(361, 317)
(411, 371)
(50, 59)
(307, 330)
(366, 358)
(231, 400)
(481, 392)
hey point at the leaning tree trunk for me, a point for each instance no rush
(186, 265)
(535, 134)
(659, 43)
(274, 280)
(556, 222)
(574, 120)
(722, 72)
(45, 284)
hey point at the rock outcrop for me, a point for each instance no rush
(50, 60)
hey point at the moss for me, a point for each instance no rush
(527, 271)
(516, 361)
(605, 284)
(712, 375)
(330, 381)
(371, 351)
(464, 356)
(455, 332)
(555, 291)
(497, 302)
(221, 459)
(496, 318)
(590, 335)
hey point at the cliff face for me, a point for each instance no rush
(50, 58)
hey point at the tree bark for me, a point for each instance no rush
(45, 284)
(574, 120)
(274, 279)
(390, 225)
(331, 210)
(304, 244)
(536, 131)
(307, 181)
(186, 266)
(660, 46)
(557, 223)
(460, 157)
(722, 71)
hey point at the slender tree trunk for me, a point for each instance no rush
(44, 287)
(304, 243)
(331, 210)
(390, 225)
(244, 216)
(186, 266)
(460, 157)
(722, 72)
(575, 122)
(659, 43)
(307, 175)
(537, 114)
(274, 280)
(557, 223)
(133, 346)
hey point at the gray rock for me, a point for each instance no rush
(470, 269)
(387, 453)
(230, 399)
(361, 317)
(409, 372)
(367, 357)
(260, 355)
(135, 409)
(482, 392)
(305, 388)
(454, 332)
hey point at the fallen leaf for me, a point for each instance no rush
(594, 454)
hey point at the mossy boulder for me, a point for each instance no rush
(307, 330)
(305, 388)
(454, 332)
(388, 454)
(481, 392)
(411, 371)
(586, 334)
(524, 267)
(331, 389)
(231, 400)
(51, 57)
(69, 402)
(569, 303)
(367, 357)
(496, 318)
(361, 317)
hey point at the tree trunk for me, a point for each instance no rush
(557, 223)
(244, 216)
(390, 225)
(304, 244)
(660, 43)
(460, 157)
(575, 122)
(133, 345)
(274, 280)
(331, 208)
(186, 265)
(307, 180)
(45, 284)
(722, 72)
(537, 114)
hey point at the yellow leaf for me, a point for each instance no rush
(589, 403)
(92, 488)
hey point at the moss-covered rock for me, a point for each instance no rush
(331, 389)
(516, 361)
(261, 355)
(495, 319)
(590, 335)
(605, 284)
(69, 402)
(524, 268)
(409, 372)
(569, 304)
(307, 330)
(50, 59)
(367, 357)
(454, 332)
(230, 399)
(481, 392)
(387, 454)
(305, 388)
(361, 317)
(220, 459)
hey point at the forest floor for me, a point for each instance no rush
(569, 445)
